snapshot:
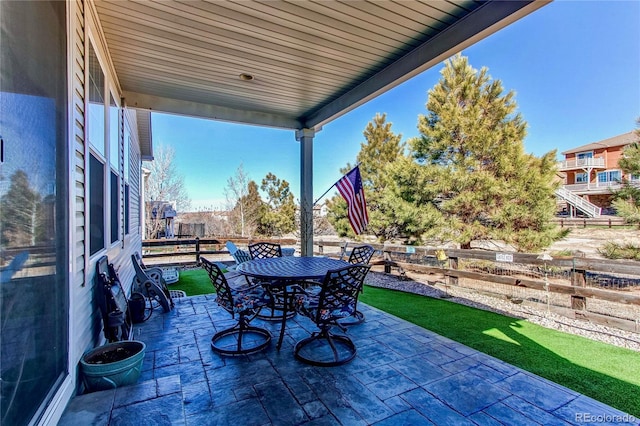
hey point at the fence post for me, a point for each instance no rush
(387, 258)
(197, 250)
(578, 278)
(453, 264)
(320, 248)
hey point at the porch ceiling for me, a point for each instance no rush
(312, 61)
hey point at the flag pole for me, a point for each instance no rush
(325, 192)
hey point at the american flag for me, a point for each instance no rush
(350, 187)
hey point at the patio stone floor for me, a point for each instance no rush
(402, 375)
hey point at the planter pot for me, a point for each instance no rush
(112, 365)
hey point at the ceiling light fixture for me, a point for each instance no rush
(246, 77)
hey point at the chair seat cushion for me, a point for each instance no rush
(307, 305)
(245, 298)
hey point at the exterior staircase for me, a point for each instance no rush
(590, 209)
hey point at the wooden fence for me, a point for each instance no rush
(584, 222)
(187, 252)
(598, 290)
(601, 291)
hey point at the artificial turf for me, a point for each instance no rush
(607, 373)
(194, 282)
(604, 372)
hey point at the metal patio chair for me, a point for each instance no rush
(245, 301)
(150, 284)
(265, 250)
(360, 255)
(337, 299)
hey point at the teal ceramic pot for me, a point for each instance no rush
(112, 365)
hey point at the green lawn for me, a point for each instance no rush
(604, 372)
(194, 282)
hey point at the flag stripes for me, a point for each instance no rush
(350, 187)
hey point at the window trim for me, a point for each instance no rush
(585, 175)
(608, 174)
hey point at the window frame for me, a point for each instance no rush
(582, 177)
(608, 176)
(109, 153)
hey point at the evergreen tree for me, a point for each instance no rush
(20, 212)
(251, 208)
(279, 217)
(627, 200)
(472, 179)
(381, 148)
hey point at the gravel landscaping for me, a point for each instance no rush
(417, 285)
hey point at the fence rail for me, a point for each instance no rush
(189, 250)
(584, 222)
(612, 287)
(599, 290)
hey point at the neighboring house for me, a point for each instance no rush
(72, 145)
(592, 173)
(164, 214)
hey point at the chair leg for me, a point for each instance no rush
(278, 310)
(233, 341)
(334, 342)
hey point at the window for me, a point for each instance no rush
(609, 176)
(114, 142)
(105, 191)
(126, 209)
(127, 158)
(96, 205)
(34, 199)
(115, 204)
(584, 158)
(581, 178)
(95, 105)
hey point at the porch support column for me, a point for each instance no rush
(305, 137)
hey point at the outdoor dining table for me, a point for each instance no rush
(279, 271)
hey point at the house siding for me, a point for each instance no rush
(85, 325)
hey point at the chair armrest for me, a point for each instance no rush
(155, 274)
(302, 287)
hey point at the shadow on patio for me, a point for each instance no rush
(403, 374)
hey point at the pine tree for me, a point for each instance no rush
(20, 208)
(381, 148)
(471, 179)
(627, 200)
(279, 217)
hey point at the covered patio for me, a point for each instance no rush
(403, 374)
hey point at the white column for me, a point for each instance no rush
(305, 137)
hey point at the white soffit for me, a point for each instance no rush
(311, 61)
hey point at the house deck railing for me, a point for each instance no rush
(582, 163)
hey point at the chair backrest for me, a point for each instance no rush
(139, 259)
(241, 256)
(141, 275)
(264, 250)
(339, 293)
(112, 302)
(231, 247)
(220, 284)
(361, 254)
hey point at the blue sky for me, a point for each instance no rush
(574, 65)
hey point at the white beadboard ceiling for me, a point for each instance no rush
(312, 61)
